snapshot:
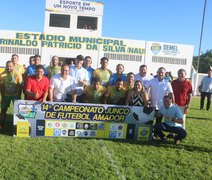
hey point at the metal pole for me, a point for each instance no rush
(200, 43)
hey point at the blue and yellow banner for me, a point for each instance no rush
(53, 119)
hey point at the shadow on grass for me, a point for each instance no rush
(194, 108)
(183, 145)
(167, 144)
(199, 118)
(8, 129)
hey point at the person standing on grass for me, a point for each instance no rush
(142, 75)
(103, 73)
(17, 67)
(173, 121)
(118, 74)
(159, 87)
(10, 86)
(54, 68)
(60, 85)
(37, 86)
(206, 90)
(31, 69)
(182, 89)
(31, 60)
(87, 65)
(80, 79)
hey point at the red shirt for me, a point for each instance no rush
(181, 91)
(34, 85)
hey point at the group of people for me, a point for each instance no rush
(80, 83)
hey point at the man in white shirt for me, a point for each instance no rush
(142, 75)
(159, 87)
(60, 85)
(206, 90)
(80, 77)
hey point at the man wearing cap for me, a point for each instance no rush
(80, 79)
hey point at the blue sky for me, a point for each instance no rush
(174, 21)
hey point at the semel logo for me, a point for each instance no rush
(155, 48)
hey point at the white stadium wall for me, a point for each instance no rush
(130, 53)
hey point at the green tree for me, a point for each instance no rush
(205, 61)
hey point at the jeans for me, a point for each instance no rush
(160, 127)
(203, 95)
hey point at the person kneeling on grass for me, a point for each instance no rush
(173, 121)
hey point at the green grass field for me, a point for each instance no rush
(71, 158)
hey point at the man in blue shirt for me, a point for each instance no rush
(87, 65)
(117, 75)
(173, 121)
(31, 69)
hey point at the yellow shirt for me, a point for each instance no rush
(10, 81)
(19, 68)
(114, 96)
(103, 75)
(94, 96)
(127, 86)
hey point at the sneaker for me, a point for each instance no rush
(177, 142)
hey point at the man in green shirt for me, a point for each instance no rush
(103, 73)
(10, 85)
(115, 94)
(94, 93)
(54, 68)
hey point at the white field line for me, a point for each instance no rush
(109, 156)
